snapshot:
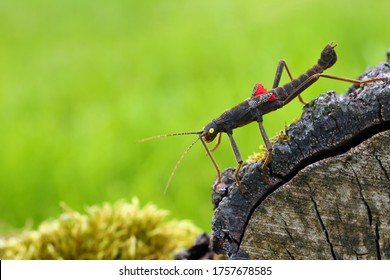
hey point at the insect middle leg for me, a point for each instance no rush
(267, 143)
(279, 70)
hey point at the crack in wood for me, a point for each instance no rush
(377, 246)
(338, 212)
(382, 167)
(289, 254)
(369, 214)
(323, 228)
(357, 254)
(380, 112)
(286, 229)
(335, 120)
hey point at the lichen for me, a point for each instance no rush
(112, 231)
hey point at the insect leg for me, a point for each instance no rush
(309, 81)
(358, 82)
(267, 145)
(218, 142)
(304, 85)
(214, 163)
(238, 159)
(283, 65)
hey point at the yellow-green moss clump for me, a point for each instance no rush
(119, 231)
(256, 157)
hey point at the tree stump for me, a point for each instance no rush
(327, 191)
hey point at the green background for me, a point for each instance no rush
(81, 81)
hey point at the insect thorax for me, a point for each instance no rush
(260, 99)
(264, 97)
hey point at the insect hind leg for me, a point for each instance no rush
(278, 75)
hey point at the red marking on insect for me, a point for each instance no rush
(260, 89)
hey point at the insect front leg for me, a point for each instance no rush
(267, 145)
(218, 142)
(279, 70)
(238, 159)
(219, 176)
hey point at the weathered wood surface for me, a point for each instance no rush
(327, 194)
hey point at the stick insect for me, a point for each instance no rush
(260, 103)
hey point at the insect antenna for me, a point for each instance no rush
(168, 135)
(200, 133)
(178, 163)
(182, 156)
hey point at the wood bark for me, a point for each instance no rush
(327, 191)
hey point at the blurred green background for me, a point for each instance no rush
(81, 81)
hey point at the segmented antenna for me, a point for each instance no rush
(178, 163)
(182, 156)
(170, 134)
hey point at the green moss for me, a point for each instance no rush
(119, 231)
(259, 156)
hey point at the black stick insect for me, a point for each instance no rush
(260, 103)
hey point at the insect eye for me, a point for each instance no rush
(211, 130)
